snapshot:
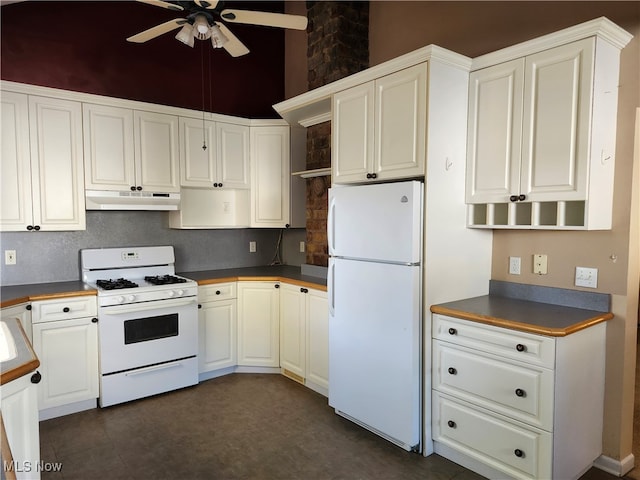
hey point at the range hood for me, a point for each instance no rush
(127, 200)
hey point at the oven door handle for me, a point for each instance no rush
(154, 368)
(139, 307)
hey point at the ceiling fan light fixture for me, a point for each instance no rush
(201, 28)
(185, 35)
(218, 39)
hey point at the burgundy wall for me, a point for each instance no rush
(81, 46)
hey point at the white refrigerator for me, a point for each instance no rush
(375, 307)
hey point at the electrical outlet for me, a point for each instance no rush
(252, 247)
(9, 257)
(586, 277)
(540, 264)
(301, 247)
(514, 265)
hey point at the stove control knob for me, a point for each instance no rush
(171, 293)
(131, 298)
(180, 293)
(120, 299)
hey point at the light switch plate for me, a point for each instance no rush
(586, 277)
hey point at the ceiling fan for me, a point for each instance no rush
(205, 20)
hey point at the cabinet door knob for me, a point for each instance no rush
(36, 377)
(133, 188)
(215, 184)
(220, 185)
(453, 331)
(277, 285)
(36, 228)
(94, 320)
(451, 424)
(518, 453)
(513, 198)
(29, 227)
(368, 175)
(520, 392)
(304, 290)
(521, 348)
(28, 307)
(199, 305)
(522, 197)
(452, 371)
(66, 310)
(139, 188)
(218, 292)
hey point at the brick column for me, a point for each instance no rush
(338, 46)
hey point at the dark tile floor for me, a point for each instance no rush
(241, 426)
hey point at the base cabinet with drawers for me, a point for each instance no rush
(512, 404)
(65, 338)
(217, 326)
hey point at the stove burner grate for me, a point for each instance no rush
(164, 279)
(116, 284)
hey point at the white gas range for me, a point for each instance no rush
(148, 321)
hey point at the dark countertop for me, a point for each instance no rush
(283, 273)
(25, 360)
(517, 314)
(16, 294)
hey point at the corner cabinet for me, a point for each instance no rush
(270, 176)
(511, 404)
(541, 136)
(379, 128)
(258, 324)
(42, 164)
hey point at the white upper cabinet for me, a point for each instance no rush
(130, 150)
(108, 147)
(542, 129)
(156, 148)
(42, 178)
(379, 128)
(270, 176)
(224, 163)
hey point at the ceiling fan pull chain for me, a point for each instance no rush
(204, 132)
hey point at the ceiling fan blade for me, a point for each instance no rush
(234, 46)
(160, 3)
(282, 20)
(208, 5)
(157, 30)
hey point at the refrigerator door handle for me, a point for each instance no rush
(331, 230)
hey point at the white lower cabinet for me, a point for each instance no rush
(511, 404)
(65, 338)
(258, 324)
(304, 336)
(19, 401)
(217, 326)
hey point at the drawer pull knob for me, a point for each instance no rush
(453, 331)
(94, 320)
(199, 305)
(66, 310)
(520, 392)
(451, 424)
(452, 371)
(518, 453)
(218, 292)
(36, 377)
(521, 348)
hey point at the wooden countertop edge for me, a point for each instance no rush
(46, 296)
(257, 278)
(523, 327)
(25, 368)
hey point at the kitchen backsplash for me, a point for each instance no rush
(54, 256)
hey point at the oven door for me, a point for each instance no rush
(148, 333)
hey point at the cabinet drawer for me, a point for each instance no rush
(522, 346)
(64, 309)
(507, 446)
(218, 291)
(520, 391)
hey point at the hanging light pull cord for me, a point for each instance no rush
(204, 132)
